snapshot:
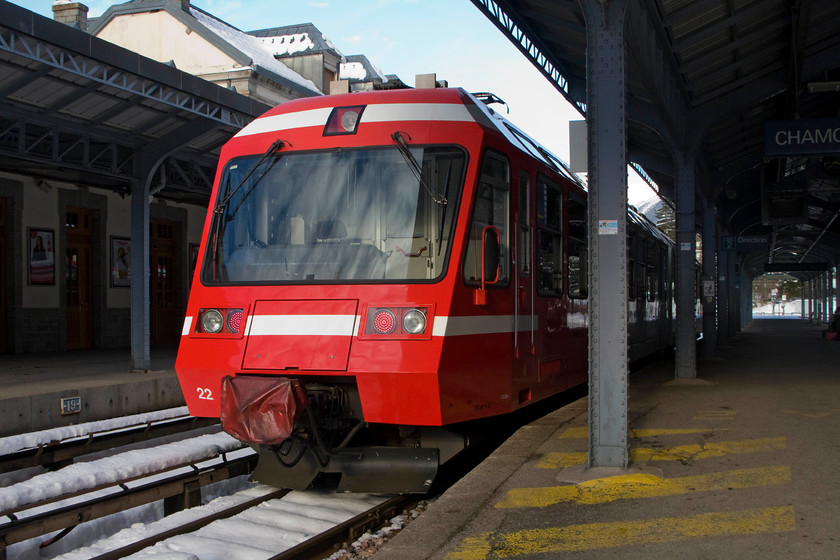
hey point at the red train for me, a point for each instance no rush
(378, 269)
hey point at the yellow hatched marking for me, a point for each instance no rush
(594, 536)
(679, 453)
(635, 486)
(563, 460)
(709, 450)
(583, 432)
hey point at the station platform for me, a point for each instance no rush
(741, 462)
(32, 387)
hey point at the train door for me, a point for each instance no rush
(525, 321)
(4, 279)
(494, 296)
(79, 278)
(577, 275)
(163, 311)
(549, 281)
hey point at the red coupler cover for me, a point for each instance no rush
(261, 409)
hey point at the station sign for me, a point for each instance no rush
(805, 137)
(744, 242)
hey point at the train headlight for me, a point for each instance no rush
(343, 120)
(395, 322)
(212, 321)
(414, 321)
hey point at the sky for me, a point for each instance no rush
(450, 38)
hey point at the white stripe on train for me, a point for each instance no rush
(384, 112)
(348, 325)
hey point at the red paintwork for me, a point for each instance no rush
(433, 380)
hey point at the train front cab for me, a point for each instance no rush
(300, 278)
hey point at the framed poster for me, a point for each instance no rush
(120, 262)
(41, 257)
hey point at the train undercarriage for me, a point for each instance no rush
(314, 433)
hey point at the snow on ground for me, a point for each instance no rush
(788, 309)
(257, 533)
(111, 470)
(29, 440)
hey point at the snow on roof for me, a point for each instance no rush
(250, 46)
(359, 67)
(294, 39)
(287, 44)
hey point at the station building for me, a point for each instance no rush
(96, 106)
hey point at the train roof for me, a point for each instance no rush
(634, 216)
(440, 104)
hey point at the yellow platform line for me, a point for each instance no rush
(636, 486)
(582, 432)
(680, 453)
(594, 536)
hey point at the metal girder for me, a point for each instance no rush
(528, 43)
(34, 49)
(48, 142)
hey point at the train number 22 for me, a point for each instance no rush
(204, 394)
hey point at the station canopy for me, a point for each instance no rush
(751, 87)
(77, 109)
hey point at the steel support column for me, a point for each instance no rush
(710, 244)
(140, 296)
(734, 297)
(723, 295)
(686, 356)
(606, 118)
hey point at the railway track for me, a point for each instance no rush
(42, 510)
(55, 454)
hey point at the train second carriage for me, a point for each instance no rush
(380, 269)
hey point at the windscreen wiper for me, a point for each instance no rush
(414, 165)
(275, 147)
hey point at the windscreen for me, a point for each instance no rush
(345, 215)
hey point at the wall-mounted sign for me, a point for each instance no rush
(806, 137)
(744, 242)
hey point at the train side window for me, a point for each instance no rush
(578, 256)
(524, 223)
(550, 235)
(492, 208)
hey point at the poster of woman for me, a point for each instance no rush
(41, 257)
(120, 262)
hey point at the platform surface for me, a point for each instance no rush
(32, 387)
(741, 462)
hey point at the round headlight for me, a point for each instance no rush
(212, 321)
(348, 120)
(414, 321)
